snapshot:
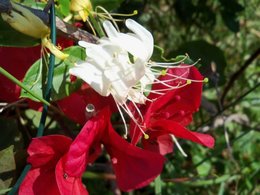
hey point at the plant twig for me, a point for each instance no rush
(230, 105)
(238, 73)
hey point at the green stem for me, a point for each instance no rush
(223, 178)
(20, 84)
(158, 185)
(47, 94)
(46, 97)
(96, 25)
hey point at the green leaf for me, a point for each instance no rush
(4, 191)
(34, 118)
(64, 7)
(158, 185)
(208, 54)
(229, 12)
(35, 77)
(158, 56)
(13, 38)
(231, 21)
(108, 5)
(205, 167)
(7, 167)
(10, 134)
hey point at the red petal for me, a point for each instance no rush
(71, 167)
(134, 167)
(16, 61)
(74, 106)
(162, 144)
(68, 185)
(47, 150)
(187, 98)
(39, 181)
(77, 156)
(177, 105)
(162, 127)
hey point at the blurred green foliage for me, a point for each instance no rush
(225, 35)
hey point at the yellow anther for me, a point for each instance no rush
(53, 49)
(188, 82)
(163, 72)
(205, 80)
(135, 12)
(146, 136)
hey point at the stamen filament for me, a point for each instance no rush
(178, 145)
(139, 112)
(122, 116)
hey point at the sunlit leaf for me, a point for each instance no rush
(35, 77)
(7, 167)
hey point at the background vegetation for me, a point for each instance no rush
(225, 35)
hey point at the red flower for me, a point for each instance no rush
(60, 164)
(44, 153)
(170, 113)
(134, 167)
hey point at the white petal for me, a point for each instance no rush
(142, 33)
(133, 45)
(139, 44)
(136, 96)
(110, 29)
(93, 76)
(147, 79)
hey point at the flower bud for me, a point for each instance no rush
(24, 21)
(83, 7)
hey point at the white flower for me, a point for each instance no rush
(108, 68)
(120, 65)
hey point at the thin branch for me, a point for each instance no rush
(230, 105)
(238, 73)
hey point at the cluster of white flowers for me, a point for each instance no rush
(117, 64)
(120, 65)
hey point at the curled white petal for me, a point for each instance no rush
(93, 76)
(139, 44)
(144, 35)
(110, 69)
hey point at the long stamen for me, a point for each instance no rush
(122, 116)
(146, 136)
(139, 112)
(205, 80)
(178, 145)
(167, 63)
(135, 12)
(107, 16)
(168, 80)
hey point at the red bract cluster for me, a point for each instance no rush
(58, 161)
(168, 115)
